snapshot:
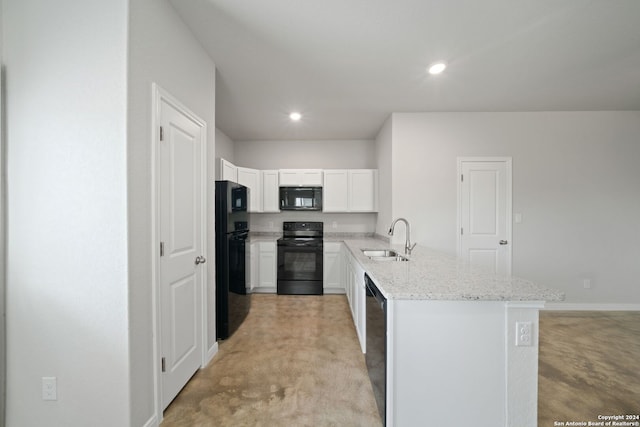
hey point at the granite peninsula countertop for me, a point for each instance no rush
(434, 275)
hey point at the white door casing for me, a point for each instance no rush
(180, 230)
(484, 212)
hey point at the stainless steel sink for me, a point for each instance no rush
(389, 258)
(383, 255)
(379, 252)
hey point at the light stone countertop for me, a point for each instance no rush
(433, 275)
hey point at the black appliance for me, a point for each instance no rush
(232, 231)
(300, 258)
(301, 198)
(376, 353)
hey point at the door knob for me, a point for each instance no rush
(503, 242)
(200, 260)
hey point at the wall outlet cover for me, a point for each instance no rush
(524, 334)
(49, 388)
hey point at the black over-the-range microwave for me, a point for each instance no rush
(301, 198)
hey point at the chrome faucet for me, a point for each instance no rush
(408, 247)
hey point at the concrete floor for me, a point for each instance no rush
(296, 361)
(589, 365)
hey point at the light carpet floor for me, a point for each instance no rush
(295, 361)
(589, 365)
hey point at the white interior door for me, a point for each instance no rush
(484, 212)
(181, 201)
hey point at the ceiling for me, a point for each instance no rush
(346, 65)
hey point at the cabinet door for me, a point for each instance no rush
(270, 189)
(363, 190)
(335, 191)
(250, 178)
(360, 304)
(267, 269)
(332, 265)
(311, 178)
(227, 171)
(301, 177)
(252, 261)
(350, 285)
(289, 178)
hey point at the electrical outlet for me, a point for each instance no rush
(586, 283)
(49, 388)
(334, 224)
(524, 334)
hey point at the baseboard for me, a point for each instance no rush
(334, 291)
(591, 307)
(152, 422)
(270, 290)
(211, 353)
(264, 290)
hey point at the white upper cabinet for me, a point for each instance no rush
(344, 190)
(251, 178)
(363, 190)
(301, 177)
(335, 192)
(227, 171)
(350, 190)
(270, 191)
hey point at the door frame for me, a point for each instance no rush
(509, 203)
(158, 96)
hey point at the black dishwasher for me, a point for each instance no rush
(376, 351)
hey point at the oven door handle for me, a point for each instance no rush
(302, 245)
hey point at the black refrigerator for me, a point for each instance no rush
(232, 231)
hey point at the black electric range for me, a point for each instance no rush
(300, 258)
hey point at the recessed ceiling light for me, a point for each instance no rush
(437, 68)
(295, 116)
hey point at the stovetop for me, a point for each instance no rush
(298, 229)
(297, 233)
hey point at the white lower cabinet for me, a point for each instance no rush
(268, 265)
(355, 290)
(332, 266)
(251, 265)
(264, 267)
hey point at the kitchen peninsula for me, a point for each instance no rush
(452, 357)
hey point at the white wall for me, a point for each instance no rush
(224, 146)
(161, 50)
(350, 154)
(67, 296)
(384, 156)
(3, 342)
(333, 222)
(575, 181)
